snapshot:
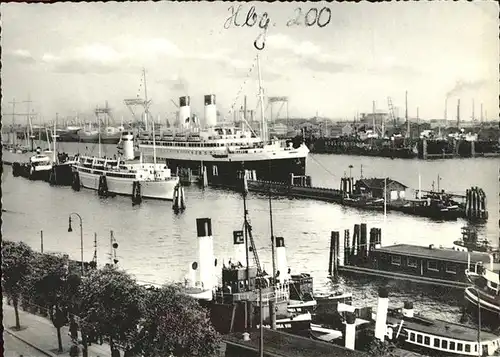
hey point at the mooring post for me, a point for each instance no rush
(332, 254)
(347, 247)
(363, 250)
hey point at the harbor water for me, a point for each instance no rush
(157, 246)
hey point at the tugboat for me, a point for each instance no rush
(484, 294)
(37, 168)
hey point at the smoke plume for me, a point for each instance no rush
(461, 86)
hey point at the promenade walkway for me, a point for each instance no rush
(39, 333)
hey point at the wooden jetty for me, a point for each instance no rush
(369, 194)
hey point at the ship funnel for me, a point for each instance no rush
(281, 262)
(239, 248)
(128, 145)
(408, 309)
(382, 307)
(210, 110)
(206, 252)
(350, 331)
(184, 111)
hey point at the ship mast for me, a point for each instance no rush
(271, 226)
(54, 139)
(145, 97)
(261, 96)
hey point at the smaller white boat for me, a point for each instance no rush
(117, 176)
(39, 166)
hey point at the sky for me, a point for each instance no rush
(69, 58)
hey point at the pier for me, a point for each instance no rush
(471, 206)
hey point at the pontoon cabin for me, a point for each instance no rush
(429, 262)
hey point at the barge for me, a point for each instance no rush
(431, 265)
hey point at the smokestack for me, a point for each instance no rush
(184, 111)
(210, 110)
(206, 252)
(481, 112)
(408, 309)
(281, 262)
(473, 116)
(446, 111)
(406, 116)
(458, 114)
(128, 145)
(382, 307)
(239, 248)
(350, 331)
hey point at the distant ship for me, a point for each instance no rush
(216, 152)
(110, 135)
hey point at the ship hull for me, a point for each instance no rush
(226, 173)
(490, 308)
(27, 171)
(223, 167)
(61, 175)
(162, 190)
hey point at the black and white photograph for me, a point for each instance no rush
(250, 179)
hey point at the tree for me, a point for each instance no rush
(175, 324)
(17, 259)
(48, 288)
(111, 305)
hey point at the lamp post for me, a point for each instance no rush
(81, 235)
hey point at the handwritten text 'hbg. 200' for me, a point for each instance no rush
(308, 18)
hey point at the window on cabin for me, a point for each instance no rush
(444, 344)
(451, 268)
(396, 260)
(427, 340)
(412, 336)
(436, 342)
(412, 262)
(460, 347)
(432, 265)
(419, 338)
(467, 348)
(452, 345)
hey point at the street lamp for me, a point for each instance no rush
(81, 235)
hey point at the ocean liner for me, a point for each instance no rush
(216, 152)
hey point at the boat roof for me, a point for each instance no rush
(442, 328)
(279, 343)
(435, 253)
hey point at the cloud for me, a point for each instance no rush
(21, 56)
(307, 54)
(101, 58)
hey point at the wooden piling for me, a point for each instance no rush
(355, 241)
(334, 253)
(346, 247)
(363, 241)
